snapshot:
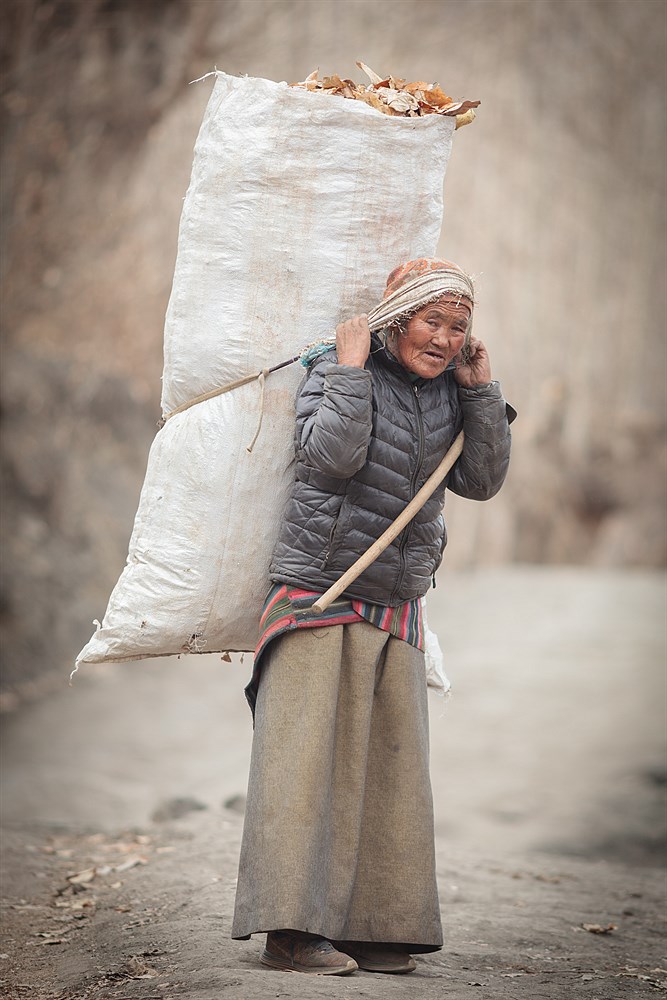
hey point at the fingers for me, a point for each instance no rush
(357, 325)
(476, 370)
(353, 341)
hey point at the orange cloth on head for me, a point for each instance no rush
(414, 269)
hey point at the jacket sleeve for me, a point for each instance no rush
(480, 471)
(334, 418)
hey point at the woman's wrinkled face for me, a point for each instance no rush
(434, 336)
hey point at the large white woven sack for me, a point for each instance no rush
(299, 206)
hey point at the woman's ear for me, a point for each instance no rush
(398, 329)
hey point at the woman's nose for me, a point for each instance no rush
(451, 339)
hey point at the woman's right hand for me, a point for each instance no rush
(353, 341)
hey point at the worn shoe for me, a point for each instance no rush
(373, 957)
(301, 953)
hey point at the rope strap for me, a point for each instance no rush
(226, 388)
(210, 395)
(262, 380)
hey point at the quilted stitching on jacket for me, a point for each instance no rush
(366, 441)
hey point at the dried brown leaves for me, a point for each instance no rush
(392, 96)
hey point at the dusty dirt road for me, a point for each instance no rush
(548, 771)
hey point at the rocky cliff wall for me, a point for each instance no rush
(554, 199)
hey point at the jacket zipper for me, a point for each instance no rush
(405, 536)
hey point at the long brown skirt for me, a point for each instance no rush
(338, 835)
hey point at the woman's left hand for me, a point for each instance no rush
(478, 369)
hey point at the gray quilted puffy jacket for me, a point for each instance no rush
(366, 441)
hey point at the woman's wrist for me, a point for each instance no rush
(352, 362)
(479, 385)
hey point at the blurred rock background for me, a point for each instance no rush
(555, 199)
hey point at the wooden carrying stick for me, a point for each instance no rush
(387, 537)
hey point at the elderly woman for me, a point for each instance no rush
(338, 861)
